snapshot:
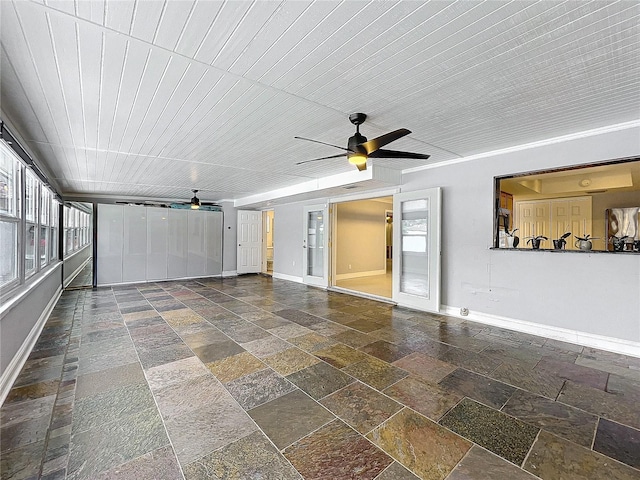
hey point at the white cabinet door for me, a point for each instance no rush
(213, 248)
(196, 264)
(109, 244)
(134, 259)
(249, 241)
(177, 257)
(157, 243)
(416, 256)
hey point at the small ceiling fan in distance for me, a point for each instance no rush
(359, 148)
(194, 204)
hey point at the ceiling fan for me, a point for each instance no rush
(359, 148)
(194, 204)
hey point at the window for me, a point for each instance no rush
(594, 207)
(30, 212)
(9, 215)
(53, 237)
(45, 214)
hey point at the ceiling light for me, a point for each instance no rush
(195, 201)
(358, 159)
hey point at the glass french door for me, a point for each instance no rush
(416, 244)
(315, 263)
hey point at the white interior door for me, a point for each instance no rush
(315, 258)
(416, 256)
(249, 241)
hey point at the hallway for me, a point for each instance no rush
(259, 378)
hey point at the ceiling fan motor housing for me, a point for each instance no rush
(354, 143)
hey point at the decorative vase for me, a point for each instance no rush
(512, 242)
(535, 243)
(559, 244)
(585, 245)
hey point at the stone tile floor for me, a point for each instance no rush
(254, 378)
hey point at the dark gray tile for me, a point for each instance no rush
(555, 417)
(499, 433)
(619, 442)
(483, 389)
(480, 464)
(320, 380)
(290, 417)
(217, 351)
(553, 458)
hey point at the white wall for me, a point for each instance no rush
(592, 294)
(596, 293)
(360, 237)
(229, 239)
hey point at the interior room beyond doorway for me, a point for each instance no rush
(363, 246)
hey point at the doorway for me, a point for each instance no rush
(267, 242)
(363, 251)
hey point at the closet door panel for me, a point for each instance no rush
(109, 244)
(177, 248)
(196, 264)
(213, 245)
(157, 243)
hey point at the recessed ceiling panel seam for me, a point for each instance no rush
(162, 14)
(184, 27)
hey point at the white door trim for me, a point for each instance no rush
(324, 245)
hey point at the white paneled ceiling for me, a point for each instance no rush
(152, 98)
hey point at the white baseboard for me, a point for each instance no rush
(346, 276)
(12, 371)
(586, 339)
(70, 278)
(284, 276)
(230, 273)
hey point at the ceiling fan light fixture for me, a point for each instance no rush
(195, 201)
(357, 159)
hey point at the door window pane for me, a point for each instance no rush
(414, 274)
(315, 243)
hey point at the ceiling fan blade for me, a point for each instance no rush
(323, 143)
(322, 158)
(378, 142)
(397, 154)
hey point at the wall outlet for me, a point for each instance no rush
(464, 311)
(294, 263)
(349, 266)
